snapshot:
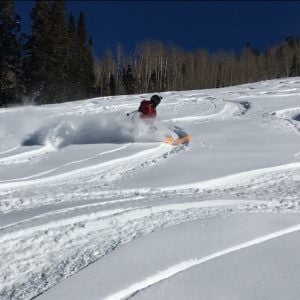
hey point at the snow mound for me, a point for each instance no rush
(290, 115)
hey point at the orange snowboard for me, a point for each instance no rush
(182, 140)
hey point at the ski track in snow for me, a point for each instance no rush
(10, 150)
(24, 197)
(63, 233)
(289, 118)
(172, 271)
(238, 179)
(56, 241)
(98, 170)
(65, 165)
(230, 110)
(288, 173)
(26, 156)
(71, 243)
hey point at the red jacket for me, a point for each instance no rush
(147, 109)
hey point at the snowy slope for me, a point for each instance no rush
(87, 191)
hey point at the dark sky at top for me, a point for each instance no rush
(191, 25)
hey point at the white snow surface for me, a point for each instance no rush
(93, 204)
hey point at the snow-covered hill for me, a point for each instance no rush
(87, 191)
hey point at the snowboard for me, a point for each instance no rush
(181, 137)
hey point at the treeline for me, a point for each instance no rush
(54, 63)
(156, 67)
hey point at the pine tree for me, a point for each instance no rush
(37, 61)
(293, 44)
(85, 63)
(128, 81)
(112, 85)
(72, 57)
(81, 59)
(60, 63)
(47, 47)
(9, 53)
(295, 68)
(103, 86)
(90, 72)
(59, 48)
(152, 87)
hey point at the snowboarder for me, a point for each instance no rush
(147, 108)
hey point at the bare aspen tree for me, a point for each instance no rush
(155, 67)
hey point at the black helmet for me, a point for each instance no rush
(155, 99)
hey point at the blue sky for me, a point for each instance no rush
(191, 25)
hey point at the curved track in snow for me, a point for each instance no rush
(63, 208)
(183, 266)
